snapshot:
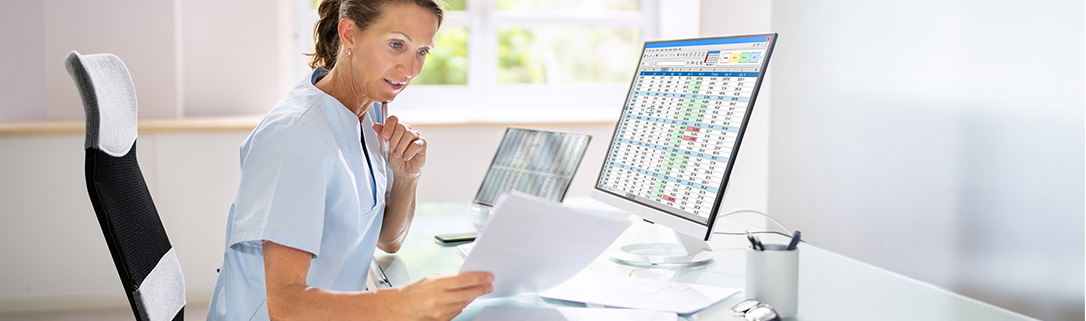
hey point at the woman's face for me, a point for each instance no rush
(390, 52)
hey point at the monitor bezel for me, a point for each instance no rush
(656, 214)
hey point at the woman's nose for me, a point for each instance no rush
(410, 68)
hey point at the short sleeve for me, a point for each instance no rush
(284, 181)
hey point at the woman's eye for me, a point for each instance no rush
(423, 52)
(395, 45)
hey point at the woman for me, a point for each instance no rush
(317, 193)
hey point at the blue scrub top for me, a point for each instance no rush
(307, 182)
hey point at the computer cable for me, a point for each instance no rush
(787, 233)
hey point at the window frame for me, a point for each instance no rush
(483, 99)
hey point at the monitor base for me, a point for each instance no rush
(689, 251)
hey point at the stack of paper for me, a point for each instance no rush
(493, 313)
(628, 292)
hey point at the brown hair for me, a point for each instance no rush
(363, 13)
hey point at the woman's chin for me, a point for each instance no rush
(386, 97)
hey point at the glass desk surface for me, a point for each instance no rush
(831, 286)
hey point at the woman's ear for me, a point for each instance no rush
(347, 30)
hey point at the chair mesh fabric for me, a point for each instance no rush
(126, 213)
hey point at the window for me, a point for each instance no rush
(501, 60)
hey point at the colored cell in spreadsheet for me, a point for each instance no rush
(725, 57)
(744, 57)
(735, 57)
(755, 57)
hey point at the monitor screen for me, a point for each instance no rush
(681, 124)
(535, 162)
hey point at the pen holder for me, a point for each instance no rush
(773, 278)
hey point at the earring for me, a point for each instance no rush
(348, 53)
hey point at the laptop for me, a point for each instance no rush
(535, 162)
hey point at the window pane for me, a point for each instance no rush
(576, 5)
(447, 64)
(567, 54)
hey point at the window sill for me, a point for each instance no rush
(248, 122)
(507, 116)
(69, 127)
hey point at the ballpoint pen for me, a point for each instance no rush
(795, 241)
(384, 144)
(754, 242)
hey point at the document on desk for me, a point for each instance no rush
(614, 290)
(507, 313)
(531, 244)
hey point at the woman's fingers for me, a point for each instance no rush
(465, 280)
(390, 124)
(442, 298)
(414, 148)
(402, 140)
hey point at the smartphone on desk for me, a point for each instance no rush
(451, 238)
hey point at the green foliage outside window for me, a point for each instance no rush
(517, 64)
(566, 54)
(447, 64)
(455, 5)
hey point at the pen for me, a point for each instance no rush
(755, 243)
(384, 145)
(795, 241)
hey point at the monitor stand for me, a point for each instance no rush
(688, 251)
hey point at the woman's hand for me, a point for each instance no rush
(443, 298)
(406, 147)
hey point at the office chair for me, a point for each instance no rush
(146, 262)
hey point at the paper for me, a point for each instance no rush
(532, 245)
(629, 292)
(497, 313)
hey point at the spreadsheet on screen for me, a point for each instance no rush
(682, 120)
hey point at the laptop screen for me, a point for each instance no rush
(535, 162)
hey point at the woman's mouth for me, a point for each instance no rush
(395, 85)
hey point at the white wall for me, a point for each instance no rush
(147, 42)
(187, 58)
(233, 55)
(943, 140)
(22, 97)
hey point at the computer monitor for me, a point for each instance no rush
(677, 137)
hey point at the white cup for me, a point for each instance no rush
(773, 278)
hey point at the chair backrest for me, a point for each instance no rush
(145, 260)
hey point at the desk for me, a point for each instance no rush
(831, 287)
